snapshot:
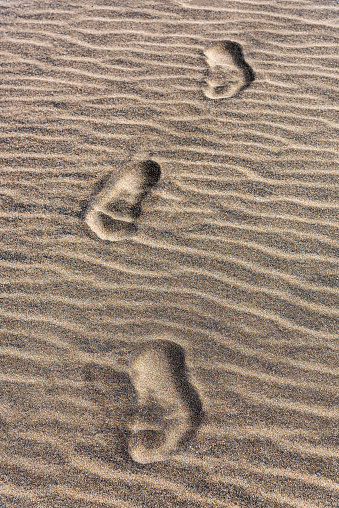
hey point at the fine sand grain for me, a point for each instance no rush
(234, 259)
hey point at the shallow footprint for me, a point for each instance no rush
(170, 410)
(228, 71)
(112, 211)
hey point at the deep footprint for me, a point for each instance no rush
(170, 410)
(229, 74)
(112, 212)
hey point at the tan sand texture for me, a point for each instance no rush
(235, 256)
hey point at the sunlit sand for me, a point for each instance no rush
(232, 256)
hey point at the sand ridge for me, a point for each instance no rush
(235, 255)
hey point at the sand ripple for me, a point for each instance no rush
(235, 257)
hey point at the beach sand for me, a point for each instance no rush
(234, 258)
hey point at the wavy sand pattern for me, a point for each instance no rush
(235, 256)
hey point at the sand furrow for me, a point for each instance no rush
(293, 475)
(327, 310)
(180, 491)
(290, 445)
(234, 258)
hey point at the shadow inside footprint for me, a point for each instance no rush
(114, 226)
(97, 187)
(229, 74)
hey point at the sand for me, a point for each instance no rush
(234, 259)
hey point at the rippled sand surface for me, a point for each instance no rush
(235, 258)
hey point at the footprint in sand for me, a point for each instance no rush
(113, 210)
(228, 71)
(169, 409)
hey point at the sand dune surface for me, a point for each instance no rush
(234, 260)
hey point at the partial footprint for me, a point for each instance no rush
(228, 71)
(112, 212)
(170, 410)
